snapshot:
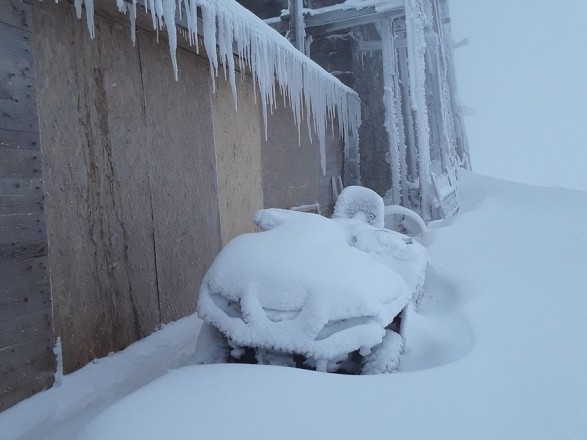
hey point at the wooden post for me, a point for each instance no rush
(390, 101)
(297, 31)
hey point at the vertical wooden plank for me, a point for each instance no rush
(97, 187)
(412, 150)
(183, 173)
(334, 168)
(15, 51)
(18, 106)
(19, 140)
(237, 137)
(27, 363)
(291, 167)
(17, 14)
(20, 163)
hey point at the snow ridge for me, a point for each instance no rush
(229, 29)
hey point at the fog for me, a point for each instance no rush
(523, 76)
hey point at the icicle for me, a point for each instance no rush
(78, 8)
(89, 4)
(209, 18)
(58, 352)
(168, 13)
(275, 65)
(133, 22)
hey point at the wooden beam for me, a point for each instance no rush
(344, 18)
(329, 19)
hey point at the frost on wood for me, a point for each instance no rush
(397, 147)
(230, 29)
(415, 25)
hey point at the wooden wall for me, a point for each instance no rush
(27, 363)
(292, 175)
(144, 178)
(238, 137)
(131, 187)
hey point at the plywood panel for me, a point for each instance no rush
(19, 140)
(22, 251)
(292, 174)
(20, 163)
(238, 155)
(291, 167)
(27, 363)
(16, 13)
(183, 173)
(10, 186)
(22, 228)
(97, 187)
(18, 108)
(16, 57)
(26, 380)
(10, 205)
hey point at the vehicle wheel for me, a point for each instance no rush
(385, 357)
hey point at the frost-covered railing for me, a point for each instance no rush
(229, 29)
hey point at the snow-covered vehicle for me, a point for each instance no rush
(311, 292)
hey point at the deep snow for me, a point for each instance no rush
(495, 351)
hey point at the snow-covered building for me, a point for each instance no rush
(127, 162)
(397, 55)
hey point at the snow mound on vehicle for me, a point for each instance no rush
(300, 287)
(355, 199)
(403, 254)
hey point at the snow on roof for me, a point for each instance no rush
(310, 91)
(379, 5)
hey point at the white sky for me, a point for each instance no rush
(524, 74)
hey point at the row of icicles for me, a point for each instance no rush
(229, 29)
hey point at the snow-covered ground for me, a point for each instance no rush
(495, 351)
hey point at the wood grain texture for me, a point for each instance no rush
(237, 136)
(20, 163)
(23, 251)
(16, 13)
(27, 363)
(10, 186)
(10, 205)
(292, 175)
(16, 56)
(183, 173)
(19, 140)
(22, 228)
(18, 106)
(97, 184)
(26, 380)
